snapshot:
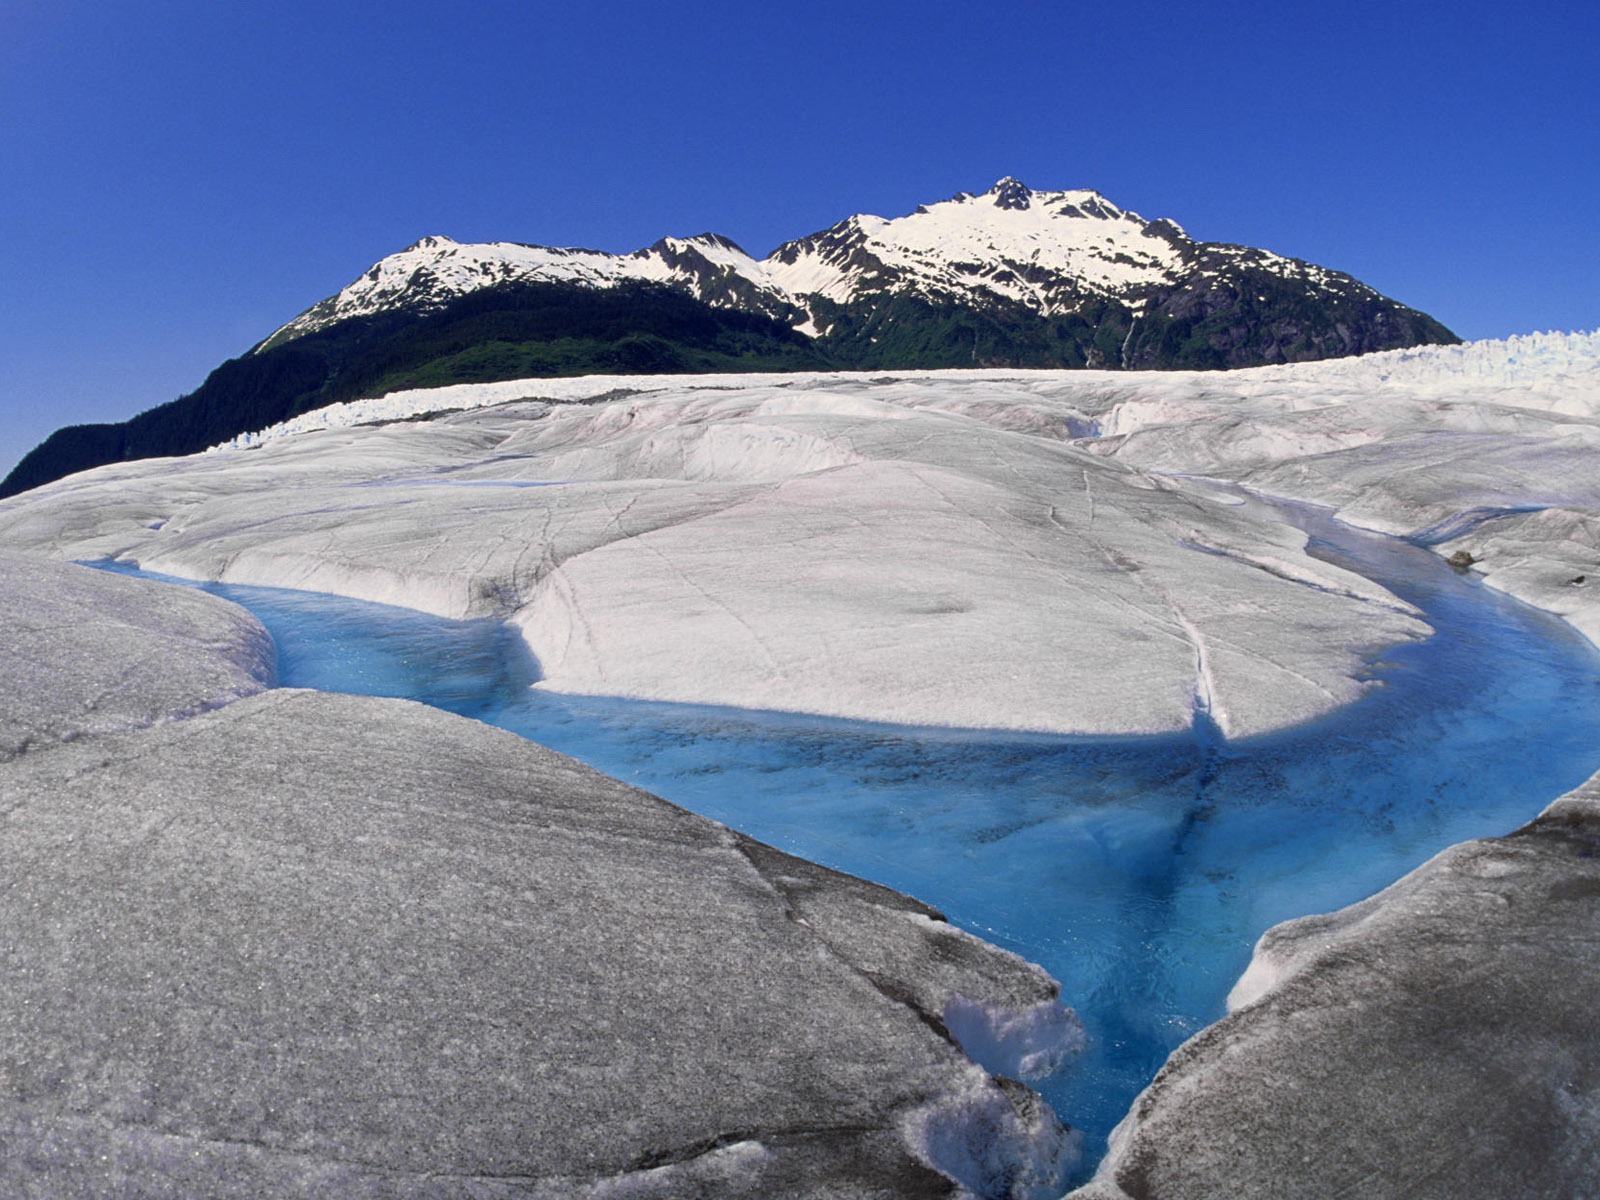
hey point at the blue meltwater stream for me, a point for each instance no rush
(1138, 871)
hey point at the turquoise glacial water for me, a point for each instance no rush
(1138, 871)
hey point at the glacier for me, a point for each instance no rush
(1435, 1040)
(1006, 555)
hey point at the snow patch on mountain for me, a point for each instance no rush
(429, 273)
(1027, 246)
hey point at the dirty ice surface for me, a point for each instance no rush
(1137, 870)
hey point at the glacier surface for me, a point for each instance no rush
(929, 551)
(1136, 870)
(1021, 552)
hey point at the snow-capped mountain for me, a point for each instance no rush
(1012, 256)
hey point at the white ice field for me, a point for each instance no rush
(1019, 550)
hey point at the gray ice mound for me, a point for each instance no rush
(301, 944)
(89, 653)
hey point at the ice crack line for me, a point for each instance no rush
(1203, 685)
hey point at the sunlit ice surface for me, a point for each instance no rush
(1138, 871)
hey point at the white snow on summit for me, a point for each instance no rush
(437, 269)
(1011, 241)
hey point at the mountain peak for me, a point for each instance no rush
(432, 242)
(1011, 193)
(715, 240)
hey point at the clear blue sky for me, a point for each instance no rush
(178, 177)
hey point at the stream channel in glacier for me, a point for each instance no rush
(1138, 871)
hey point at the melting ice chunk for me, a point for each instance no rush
(1027, 1043)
